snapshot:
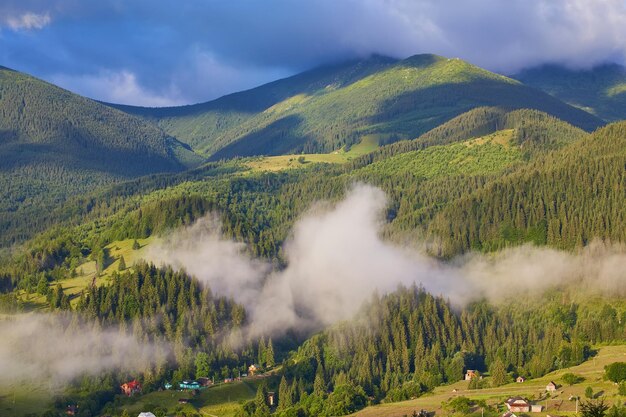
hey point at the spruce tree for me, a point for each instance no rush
(269, 355)
(260, 401)
(122, 264)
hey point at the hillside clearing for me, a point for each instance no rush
(592, 370)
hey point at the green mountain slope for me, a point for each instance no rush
(533, 131)
(324, 109)
(601, 90)
(563, 199)
(54, 144)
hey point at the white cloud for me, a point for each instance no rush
(118, 87)
(207, 49)
(28, 21)
(336, 260)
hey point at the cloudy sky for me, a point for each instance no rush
(158, 52)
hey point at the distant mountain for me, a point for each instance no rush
(54, 144)
(601, 90)
(327, 108)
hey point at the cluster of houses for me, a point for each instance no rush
(522, 405)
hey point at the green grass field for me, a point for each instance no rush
(18, 399)
(369, 143)
(558, 403)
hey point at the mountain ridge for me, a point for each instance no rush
(337, 105)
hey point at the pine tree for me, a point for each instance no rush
(122, 264)
(202, 365)
(262, 409)
(498, 373)
(319, 385)
(269, 355)
(284, 395)
(261, 352)
(136, 245)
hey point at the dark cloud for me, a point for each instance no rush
(161, 52)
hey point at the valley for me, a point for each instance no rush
(360, 235)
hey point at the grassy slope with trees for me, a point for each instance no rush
(325, 109)
(600, 90)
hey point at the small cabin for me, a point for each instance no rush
(520, 379)
(471, 374)
(253, 369)
(509, 414)
(517, 405)
(536, 408)
(551, 387)
(205, 382)
(228, 380)
(191, 385)
(130, 388)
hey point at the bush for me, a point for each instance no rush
(571, 379)
(616, 371)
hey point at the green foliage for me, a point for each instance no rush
(571, 379)
(345, 399)
(593, 408)
(589, 392)
(498, 373)
(122, 264)
(616, 371)
(202, 365)
(621, 388)
(461, 405)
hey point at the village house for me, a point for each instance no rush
(228, 380)
(520, 379)
(130, 388)
(517, 405)
(551, 387)
(205, 382)
(509, 414)
(189, 385)
(253, 369)
(271, 398)
(536, 408)
(471, 374)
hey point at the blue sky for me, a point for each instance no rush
(156, 53)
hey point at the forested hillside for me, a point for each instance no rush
(54, 144)
(600, 90)
(406, 343)
(325, 109)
